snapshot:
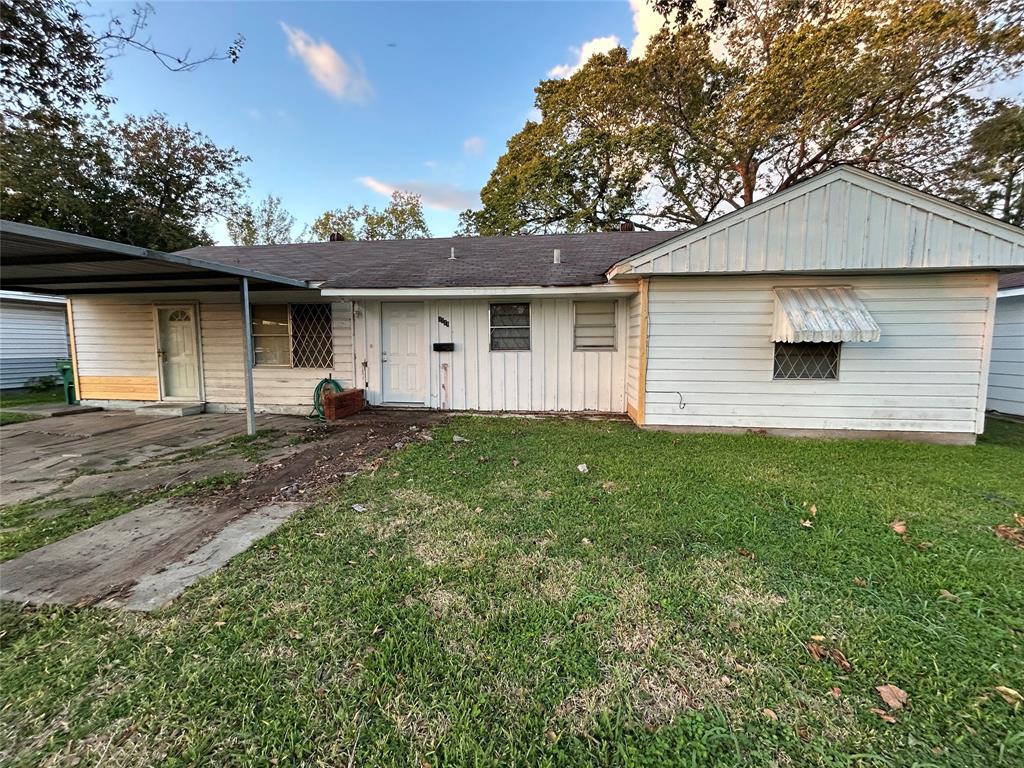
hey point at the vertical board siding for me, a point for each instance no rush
(1006, 370)
(116, 337)
(842, 220)
(633, 353)
(551, 376)
(710, 360)
(32, 338)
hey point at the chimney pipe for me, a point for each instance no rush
(452, 257)
(557, 256)
(626, 226)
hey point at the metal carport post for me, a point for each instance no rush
(250, 400)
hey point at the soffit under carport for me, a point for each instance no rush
(48, 261)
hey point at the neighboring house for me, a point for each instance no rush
(846, 305)
(33, 336)
(1006, 373)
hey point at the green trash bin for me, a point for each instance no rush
(68, 376)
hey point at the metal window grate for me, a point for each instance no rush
(806, 360)
(312, 342)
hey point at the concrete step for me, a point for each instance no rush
(171, 409)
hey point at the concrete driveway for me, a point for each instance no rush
(147, 556)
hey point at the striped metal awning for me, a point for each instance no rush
(822, 314)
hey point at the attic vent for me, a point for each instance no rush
(336, 237)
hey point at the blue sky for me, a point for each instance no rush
(339, 102)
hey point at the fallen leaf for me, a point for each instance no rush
(923, 545)
(478, 510)
(817, 652)
(893, 696)
(884, 715)
(219, 623)
(459, 439)
(747, 553)
(515, 462)
(587, 542)
(803, 733)
(1011, 534)
(583, 468)
(770, 714)
(840, 660)
(1019, 519)
(898, 526)
(1011, 696)
(945, 594)
(859, 582)
(814, 509)
(836, 692)
(806, 523)
(818, 638)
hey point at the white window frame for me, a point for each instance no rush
(491, 326)
(615, 325)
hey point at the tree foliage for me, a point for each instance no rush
(144, 181)
(266, 223)
(990, 175)
(53, 58)
(715, 116)
(401, 219)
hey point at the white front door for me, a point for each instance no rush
(402, 353)
(176, 351)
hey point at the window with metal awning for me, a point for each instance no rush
(821, 314)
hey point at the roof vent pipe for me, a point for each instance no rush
(452, 257)
(558, 256)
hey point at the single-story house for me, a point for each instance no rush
(1006, 372)
(33, 337)
(847, 304)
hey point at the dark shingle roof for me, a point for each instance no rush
(425, 263)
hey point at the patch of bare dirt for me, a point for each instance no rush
(340, 450)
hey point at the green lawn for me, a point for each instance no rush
(489, 604)
(45, 397)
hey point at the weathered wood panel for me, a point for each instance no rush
(118, 388)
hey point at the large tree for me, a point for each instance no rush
(53, 56)
(145, 181)
(266, 223)
(401, 219)
(990, 174)
(715, 116)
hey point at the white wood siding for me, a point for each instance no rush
(710, 358)
(32, 338)
(115, 337)
(633, 353)
(1006, 371)
(842, 220)
(551, 376)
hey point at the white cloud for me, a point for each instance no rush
(583, 54)
(443, 197)
(647, 22)
(331, 72)
(474, 145)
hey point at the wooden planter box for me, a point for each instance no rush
(338, 405)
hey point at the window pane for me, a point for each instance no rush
(270, 319)
(271, 350)
(510, 339)
(509, 314)
(806, 360)
(594, 325)
(312, 344)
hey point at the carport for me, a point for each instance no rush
(47, 261)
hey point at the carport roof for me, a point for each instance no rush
(48, 261)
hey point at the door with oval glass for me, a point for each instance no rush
(177, 352)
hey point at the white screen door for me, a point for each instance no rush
(179, 363)
(402, 353)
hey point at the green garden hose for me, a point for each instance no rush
(318, 397)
